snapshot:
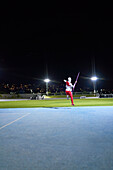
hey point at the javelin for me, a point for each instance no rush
(76, 81)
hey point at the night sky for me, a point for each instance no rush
(62, 40)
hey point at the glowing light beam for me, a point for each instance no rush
(94, 78)
(47, 80)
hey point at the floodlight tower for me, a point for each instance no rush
(94, 79)
(47, 81)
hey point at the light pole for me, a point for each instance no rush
(94, 79)
(47, 81)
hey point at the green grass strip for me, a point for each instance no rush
(56, 103)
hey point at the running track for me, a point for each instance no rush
(78, 138)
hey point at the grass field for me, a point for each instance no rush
(56, 103)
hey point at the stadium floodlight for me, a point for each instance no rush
(94, 78)
(47, 81)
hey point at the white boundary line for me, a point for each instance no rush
(14, 121)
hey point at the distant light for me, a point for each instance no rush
(94, 78)
(47, 80)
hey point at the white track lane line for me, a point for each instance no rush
(14, 121)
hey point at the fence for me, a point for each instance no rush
(106, 95)
(53, 95)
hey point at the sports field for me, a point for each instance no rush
(56, 103)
